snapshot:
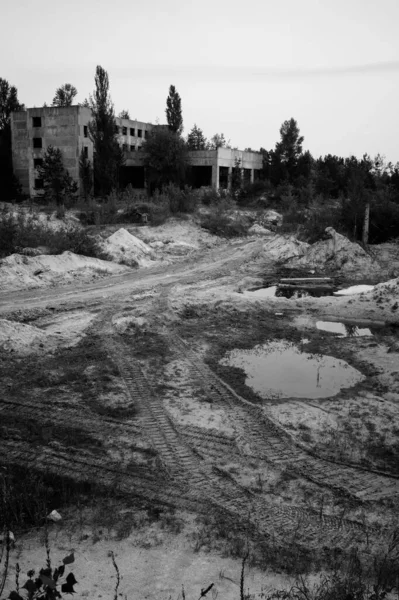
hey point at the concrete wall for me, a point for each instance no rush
(61, 127)
(226, 158)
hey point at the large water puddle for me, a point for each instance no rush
(280, 370)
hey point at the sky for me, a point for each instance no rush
(241, 68)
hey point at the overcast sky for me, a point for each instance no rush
(241, 68)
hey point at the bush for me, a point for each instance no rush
(19, 231)
(251, 193)
(224, 222)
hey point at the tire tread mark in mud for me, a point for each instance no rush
(269, 442)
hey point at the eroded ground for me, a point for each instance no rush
(123, 387)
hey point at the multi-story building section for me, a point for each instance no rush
(67, 128)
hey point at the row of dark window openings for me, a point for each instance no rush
(37, 122)
(38, 143)
(132, 131)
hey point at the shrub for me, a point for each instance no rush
(222, 221)
(18, 231)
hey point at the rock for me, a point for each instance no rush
(156, 245)
(271, 219)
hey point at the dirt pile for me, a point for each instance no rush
(23, 272)
(20, 338)
(336, 253)
(283, 248)
(123, 248)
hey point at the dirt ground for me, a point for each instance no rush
(121, 383)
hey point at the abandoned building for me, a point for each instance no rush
(66, 128)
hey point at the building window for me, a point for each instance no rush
(124, 130)
(85, 131)
(36, 121)
(139, 133)
(146, 134)
(86, 151)
(38, 184)
(132, 131)
(132, 148)
(37, 162)
(139, 148)
(116, 129)
(37, 143)
(124, 147)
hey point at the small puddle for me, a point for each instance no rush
(343, 329)
(280, 370)
(268, 292)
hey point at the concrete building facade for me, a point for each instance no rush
(35, 129)
(215, 167)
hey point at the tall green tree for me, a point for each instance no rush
(108, 155)
(9, 186)
(58, 184)
(196, 139)
(173, 111)
(165, 158)
(86, 175)
(289, 149)
(124, 114)
(64, 95)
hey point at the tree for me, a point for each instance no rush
(57, 182)
(165, 158)
(86, 174)
(196, 139)
(108, 155)
(9, 186)
(218, 141)
(173, 111)
(64, 95)
(124, 114)
(289, 149)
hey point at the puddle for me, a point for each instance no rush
(343, 329)
(354, 289)
(280, 370)
(268, 292)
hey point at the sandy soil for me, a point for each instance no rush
(130, 338)
(153, 563)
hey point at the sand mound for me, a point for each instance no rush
(282, 248)
(24, 272)
(20, 338)
(124, 248)
(336, 254)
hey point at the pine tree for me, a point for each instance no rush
(196, 139)
(108, 155)
(57, 182)
(173, 111)
(64, 95)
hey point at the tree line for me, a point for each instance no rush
(288, 171)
